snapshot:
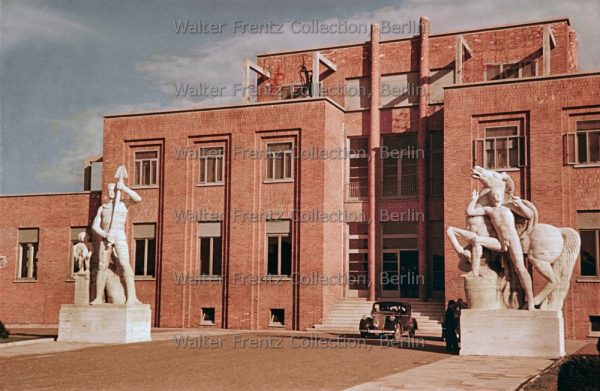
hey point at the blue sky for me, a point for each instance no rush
(66, 63)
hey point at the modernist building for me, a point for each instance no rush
(333, 182)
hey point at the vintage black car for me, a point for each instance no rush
(389, 318)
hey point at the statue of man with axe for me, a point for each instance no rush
(110, 225)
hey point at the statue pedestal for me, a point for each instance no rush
(104, 323)
(508, 332)
(82, 288)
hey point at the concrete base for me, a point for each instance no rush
(512, 333)
(104, 323)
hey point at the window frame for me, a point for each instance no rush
(155, 160)
(520, 64)
(572, 144)
(399, 173)
(596, 256)
(32, 259)
(521, 140)
(203, 166)
(271, 161)
(146, 240)
(363, 188)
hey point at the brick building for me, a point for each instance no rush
(343, 163)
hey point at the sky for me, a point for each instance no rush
(64, 64)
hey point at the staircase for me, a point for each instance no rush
(345, 316)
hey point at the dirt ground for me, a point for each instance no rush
(240, 361)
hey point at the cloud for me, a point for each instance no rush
(81, 136)
(25, 22)
(217, 63)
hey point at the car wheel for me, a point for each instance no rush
(411, 333)
(363, 334)
(398, 332)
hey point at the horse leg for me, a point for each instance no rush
(545, 269)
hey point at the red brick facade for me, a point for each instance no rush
(545, 107)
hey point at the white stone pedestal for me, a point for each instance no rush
(512, 333)
(104, 323)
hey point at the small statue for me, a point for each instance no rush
(82, 254)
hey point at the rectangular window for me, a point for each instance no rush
(75, 231)
(399, 164)
(145, 249)
(439, 79)
(502, 148)
(358, 253)
(28, 254)
(211, 248)
(211, 166)
(510, 70)
(146, 168)
(279, 162)
(207, 317)
(277, 317)
(584, 144)
(358, 165)
(279, 248)
(589, 230)
(436, 167)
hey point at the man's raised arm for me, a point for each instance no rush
(135, 197)
(471, 209)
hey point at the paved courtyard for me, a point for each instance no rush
(227, 359)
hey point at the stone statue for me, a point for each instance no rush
(502, 223)
(109, 224)
(82, 253)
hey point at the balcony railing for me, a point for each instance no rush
(358, 190)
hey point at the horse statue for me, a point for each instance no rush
(552, 251)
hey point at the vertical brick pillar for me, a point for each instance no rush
(422, 145)
(374, 144)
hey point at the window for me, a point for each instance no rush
(400, 90)
(502, 148)
(510, 71)
(146, 168)
(294, 91)
(279, 162)
(436, 248)
(399, 164)
(436, 167)
(211, 166)
(358, 178)
(358, 254)
(279, 248)
(28, 254)
(75, 231)
(594, 326)
(211, 248)
(207, 317)
(277, 317)
(584, 144)
(589, 230)
(145, 249)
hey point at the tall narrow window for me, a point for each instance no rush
(146, 168)
(211, 166)
(279, 162)
(279, 248)
(145, 249)
(589, 230)
(358, 253)
(211, 248)
(399, 162)
(28, 254)
(358, 178)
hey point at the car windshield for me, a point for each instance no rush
(389, 307)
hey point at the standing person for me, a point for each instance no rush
(450, 327)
